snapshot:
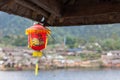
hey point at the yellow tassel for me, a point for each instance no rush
(36, 69)
(37, 54)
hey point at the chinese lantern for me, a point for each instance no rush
(37, 39)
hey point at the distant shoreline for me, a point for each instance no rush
(51, 68)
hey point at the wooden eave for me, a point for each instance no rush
(65, 12)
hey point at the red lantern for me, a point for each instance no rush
(37, 40)
(37, 37)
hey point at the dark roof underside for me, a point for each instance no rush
(65, 12)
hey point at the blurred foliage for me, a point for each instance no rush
(15, 40)
(73, 57)
(90, 56)
(83, 56)
(12, 32)
(111, 44)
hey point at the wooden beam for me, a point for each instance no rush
(52, 6)
(87, 10)
(106, 18)
(51, 19)
(33, 7)
(22, 11)
(95, 14)
(3, 2)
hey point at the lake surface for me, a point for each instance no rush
(62, 74)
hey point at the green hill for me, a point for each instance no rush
(10, 24)
(15, 25)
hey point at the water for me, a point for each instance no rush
(71, 74)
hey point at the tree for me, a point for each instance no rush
(20, 41)
(92, 39)
(70, 41)
(109, 44)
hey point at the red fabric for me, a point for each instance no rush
(37, 41)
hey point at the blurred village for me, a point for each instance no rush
(60, 56)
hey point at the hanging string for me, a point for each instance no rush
(36, 68)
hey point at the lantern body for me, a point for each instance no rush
(37, 37)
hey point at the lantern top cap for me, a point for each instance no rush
(37, 28)
(35, 23)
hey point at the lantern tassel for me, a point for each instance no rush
(36, 69)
